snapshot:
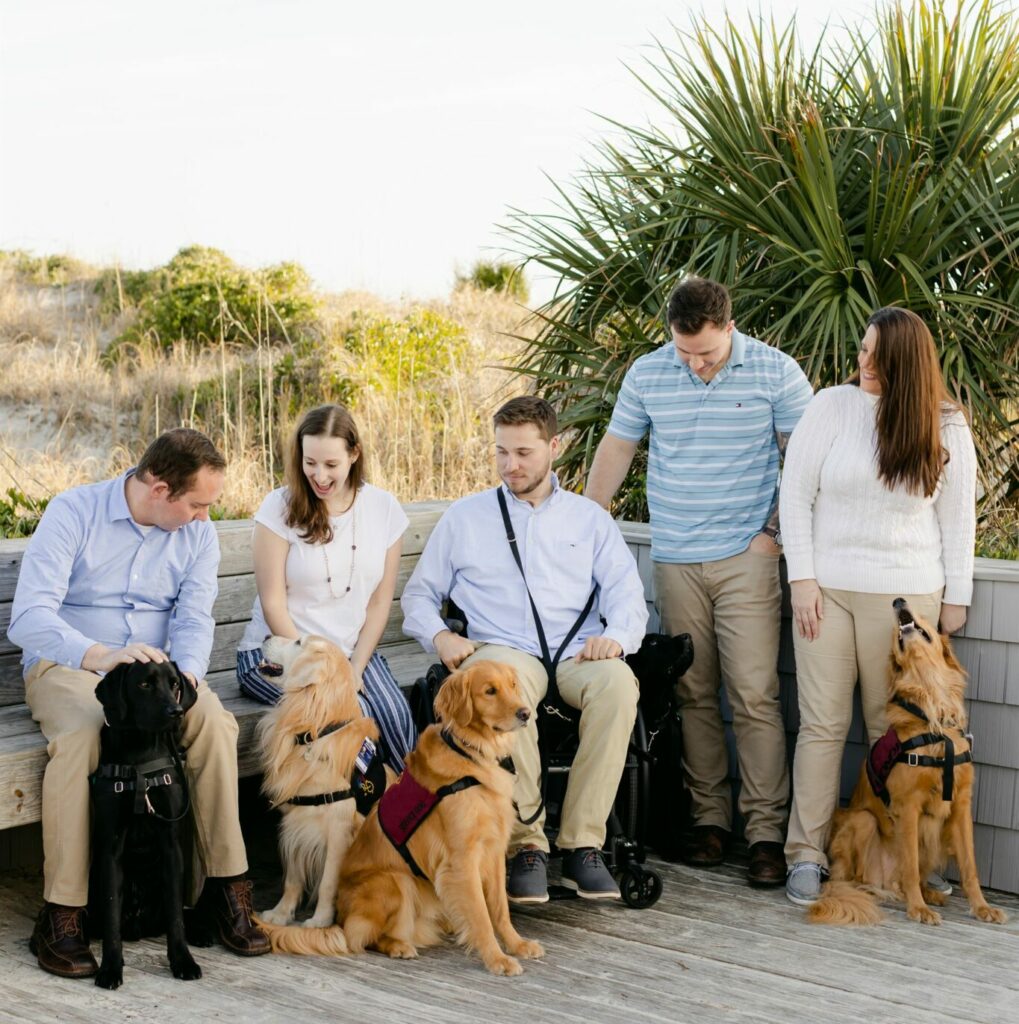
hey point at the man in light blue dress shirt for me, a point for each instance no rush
(568, 546)
(117, 572)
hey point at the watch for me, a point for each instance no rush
(775, 535)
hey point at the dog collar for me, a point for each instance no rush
(302, 739)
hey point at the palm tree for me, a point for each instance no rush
(879, 170)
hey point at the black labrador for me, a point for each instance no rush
(658, 666)
(140, 796)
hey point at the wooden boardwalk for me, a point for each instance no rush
(712, 950)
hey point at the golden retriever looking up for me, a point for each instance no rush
(309, 743)
(459, 847)
(915, 814)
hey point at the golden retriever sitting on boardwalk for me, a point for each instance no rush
(431, 856)
(911, 809)
(309, 744)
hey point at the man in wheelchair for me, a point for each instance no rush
(536, 570)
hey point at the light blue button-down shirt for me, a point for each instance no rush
(567, 545)
(92, 575)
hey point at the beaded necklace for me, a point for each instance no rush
(353, 553)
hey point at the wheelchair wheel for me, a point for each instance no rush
(640, 887)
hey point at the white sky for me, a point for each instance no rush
(379, 145)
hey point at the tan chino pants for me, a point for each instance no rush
(732, 609)
(854, 642)
(606, 694)
(63, 701)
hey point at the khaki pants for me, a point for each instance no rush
(854, 642)
(606, 694)
(732, 610)
(62, 700)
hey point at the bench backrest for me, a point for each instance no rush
(232, 609)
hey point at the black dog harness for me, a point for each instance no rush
(140, 778)
(890, 751)
(404, 807)
(367, 783)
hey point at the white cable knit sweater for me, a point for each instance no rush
(843, 527)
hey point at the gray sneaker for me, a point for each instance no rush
(803, 885)
(527, 878)
(585, 870)
(939, 884)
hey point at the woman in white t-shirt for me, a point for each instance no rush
(877, 502)
(327, 552)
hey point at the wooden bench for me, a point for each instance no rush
(22, 746)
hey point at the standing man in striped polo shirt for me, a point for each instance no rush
(720, 407)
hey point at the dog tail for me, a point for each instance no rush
(305, 941)
(845, 903)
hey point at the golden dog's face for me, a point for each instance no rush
(484, 697)
(296, 664)
(916, 643)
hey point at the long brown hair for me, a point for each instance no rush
(912, 404)
(306, 511)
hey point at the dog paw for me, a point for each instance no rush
(319, 921)
(110, 977)
(924, 915)
(186, 969)
(505, 965)
(276, 916)
(934, 898)
(400, 950)
(991, 915)
(528, 949)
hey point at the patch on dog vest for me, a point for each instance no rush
(369, 778)
(406, 804)
(881, 760)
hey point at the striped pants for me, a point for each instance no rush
(380, 698)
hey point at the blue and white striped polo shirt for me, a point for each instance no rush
(713, 457)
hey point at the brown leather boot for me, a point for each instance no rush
(767, 865)
(59, 942)
(226, 908)
(704, 846)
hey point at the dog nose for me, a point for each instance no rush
(899, 603)
(268, 636)
(524, 714)
(174, 711)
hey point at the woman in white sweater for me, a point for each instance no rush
(877, 502)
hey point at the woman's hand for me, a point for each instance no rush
(808, 608)
(953, 617)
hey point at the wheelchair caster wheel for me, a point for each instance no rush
(640, 887)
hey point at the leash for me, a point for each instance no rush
(552, 704)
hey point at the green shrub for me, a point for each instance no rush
(397, 354)
(20, 514)
(44, 270)
(493, 276)
(201, 295)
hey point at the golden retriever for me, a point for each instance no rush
(304, 755)
(460, 847)
(880, 851)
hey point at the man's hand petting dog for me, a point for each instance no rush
(99, 658)
(599, 648)
(452, 649)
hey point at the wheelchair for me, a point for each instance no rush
(660, 661)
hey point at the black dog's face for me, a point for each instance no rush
(150, 697)
(658, 665)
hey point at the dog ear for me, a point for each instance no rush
(946, 649)
(453, 702)
(188, 692)
(683, 651)
(110, 693)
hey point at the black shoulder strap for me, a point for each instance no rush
(547, 659)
